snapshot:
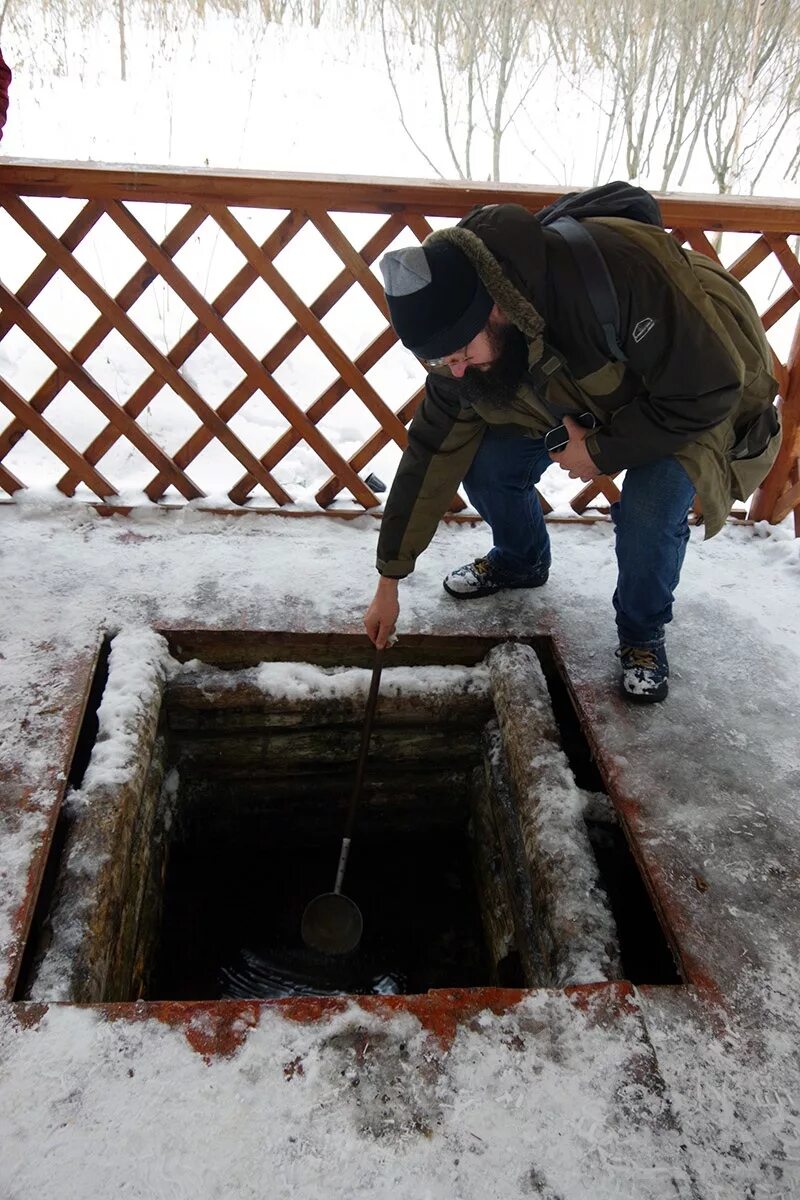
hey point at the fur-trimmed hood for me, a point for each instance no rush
(509, 258)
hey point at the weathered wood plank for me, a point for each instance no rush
(603, 486)
(283, 807)
(233, 649)
(568, 897)
(533, 939)
(495, 902)
(304, 749)
(339, 193)
(83, 962)
(765, 500)
(208, 707)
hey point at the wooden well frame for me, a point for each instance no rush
(530, 904)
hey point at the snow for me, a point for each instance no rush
(557, 1112)
(20, 832)
(301, 681)
(360, 1107)
(139, 664)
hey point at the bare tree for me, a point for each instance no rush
(391, 17)
(694, 37)
(667, 80)
(670, 76)
(487, 63)
(123, 63)
(752, 85)
(3, 13)
(643, 71)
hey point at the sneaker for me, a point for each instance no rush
(482, 578)
(645, 673)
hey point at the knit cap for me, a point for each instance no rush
(436, 300)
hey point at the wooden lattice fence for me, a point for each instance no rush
(400, 212)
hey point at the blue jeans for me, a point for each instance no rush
(650, 522)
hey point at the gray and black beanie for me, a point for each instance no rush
(436, 300)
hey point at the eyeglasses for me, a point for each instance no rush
(449, 360)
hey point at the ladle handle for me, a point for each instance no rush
(343, 856)
(372, 701)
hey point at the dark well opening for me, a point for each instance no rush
(258, 819)
(232, 915)
(203, 898)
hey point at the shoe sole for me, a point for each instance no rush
(489, 591)
(645, 697)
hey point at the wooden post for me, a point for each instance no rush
(765, 505)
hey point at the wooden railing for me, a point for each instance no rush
(192, 198)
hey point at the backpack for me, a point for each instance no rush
(618, 199)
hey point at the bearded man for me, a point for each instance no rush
(523, 371)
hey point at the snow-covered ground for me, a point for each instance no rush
(645, 1094)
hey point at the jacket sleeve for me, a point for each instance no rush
(442, 441)
(674, 341)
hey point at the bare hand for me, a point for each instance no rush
(380, 618)
(575, 458)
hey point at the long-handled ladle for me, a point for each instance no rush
(332, 923)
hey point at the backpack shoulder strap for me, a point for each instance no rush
(596, 277)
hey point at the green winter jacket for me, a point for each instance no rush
(697, 384)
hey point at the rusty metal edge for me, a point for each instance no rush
(217, 1028)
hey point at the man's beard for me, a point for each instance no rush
(498, 385)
